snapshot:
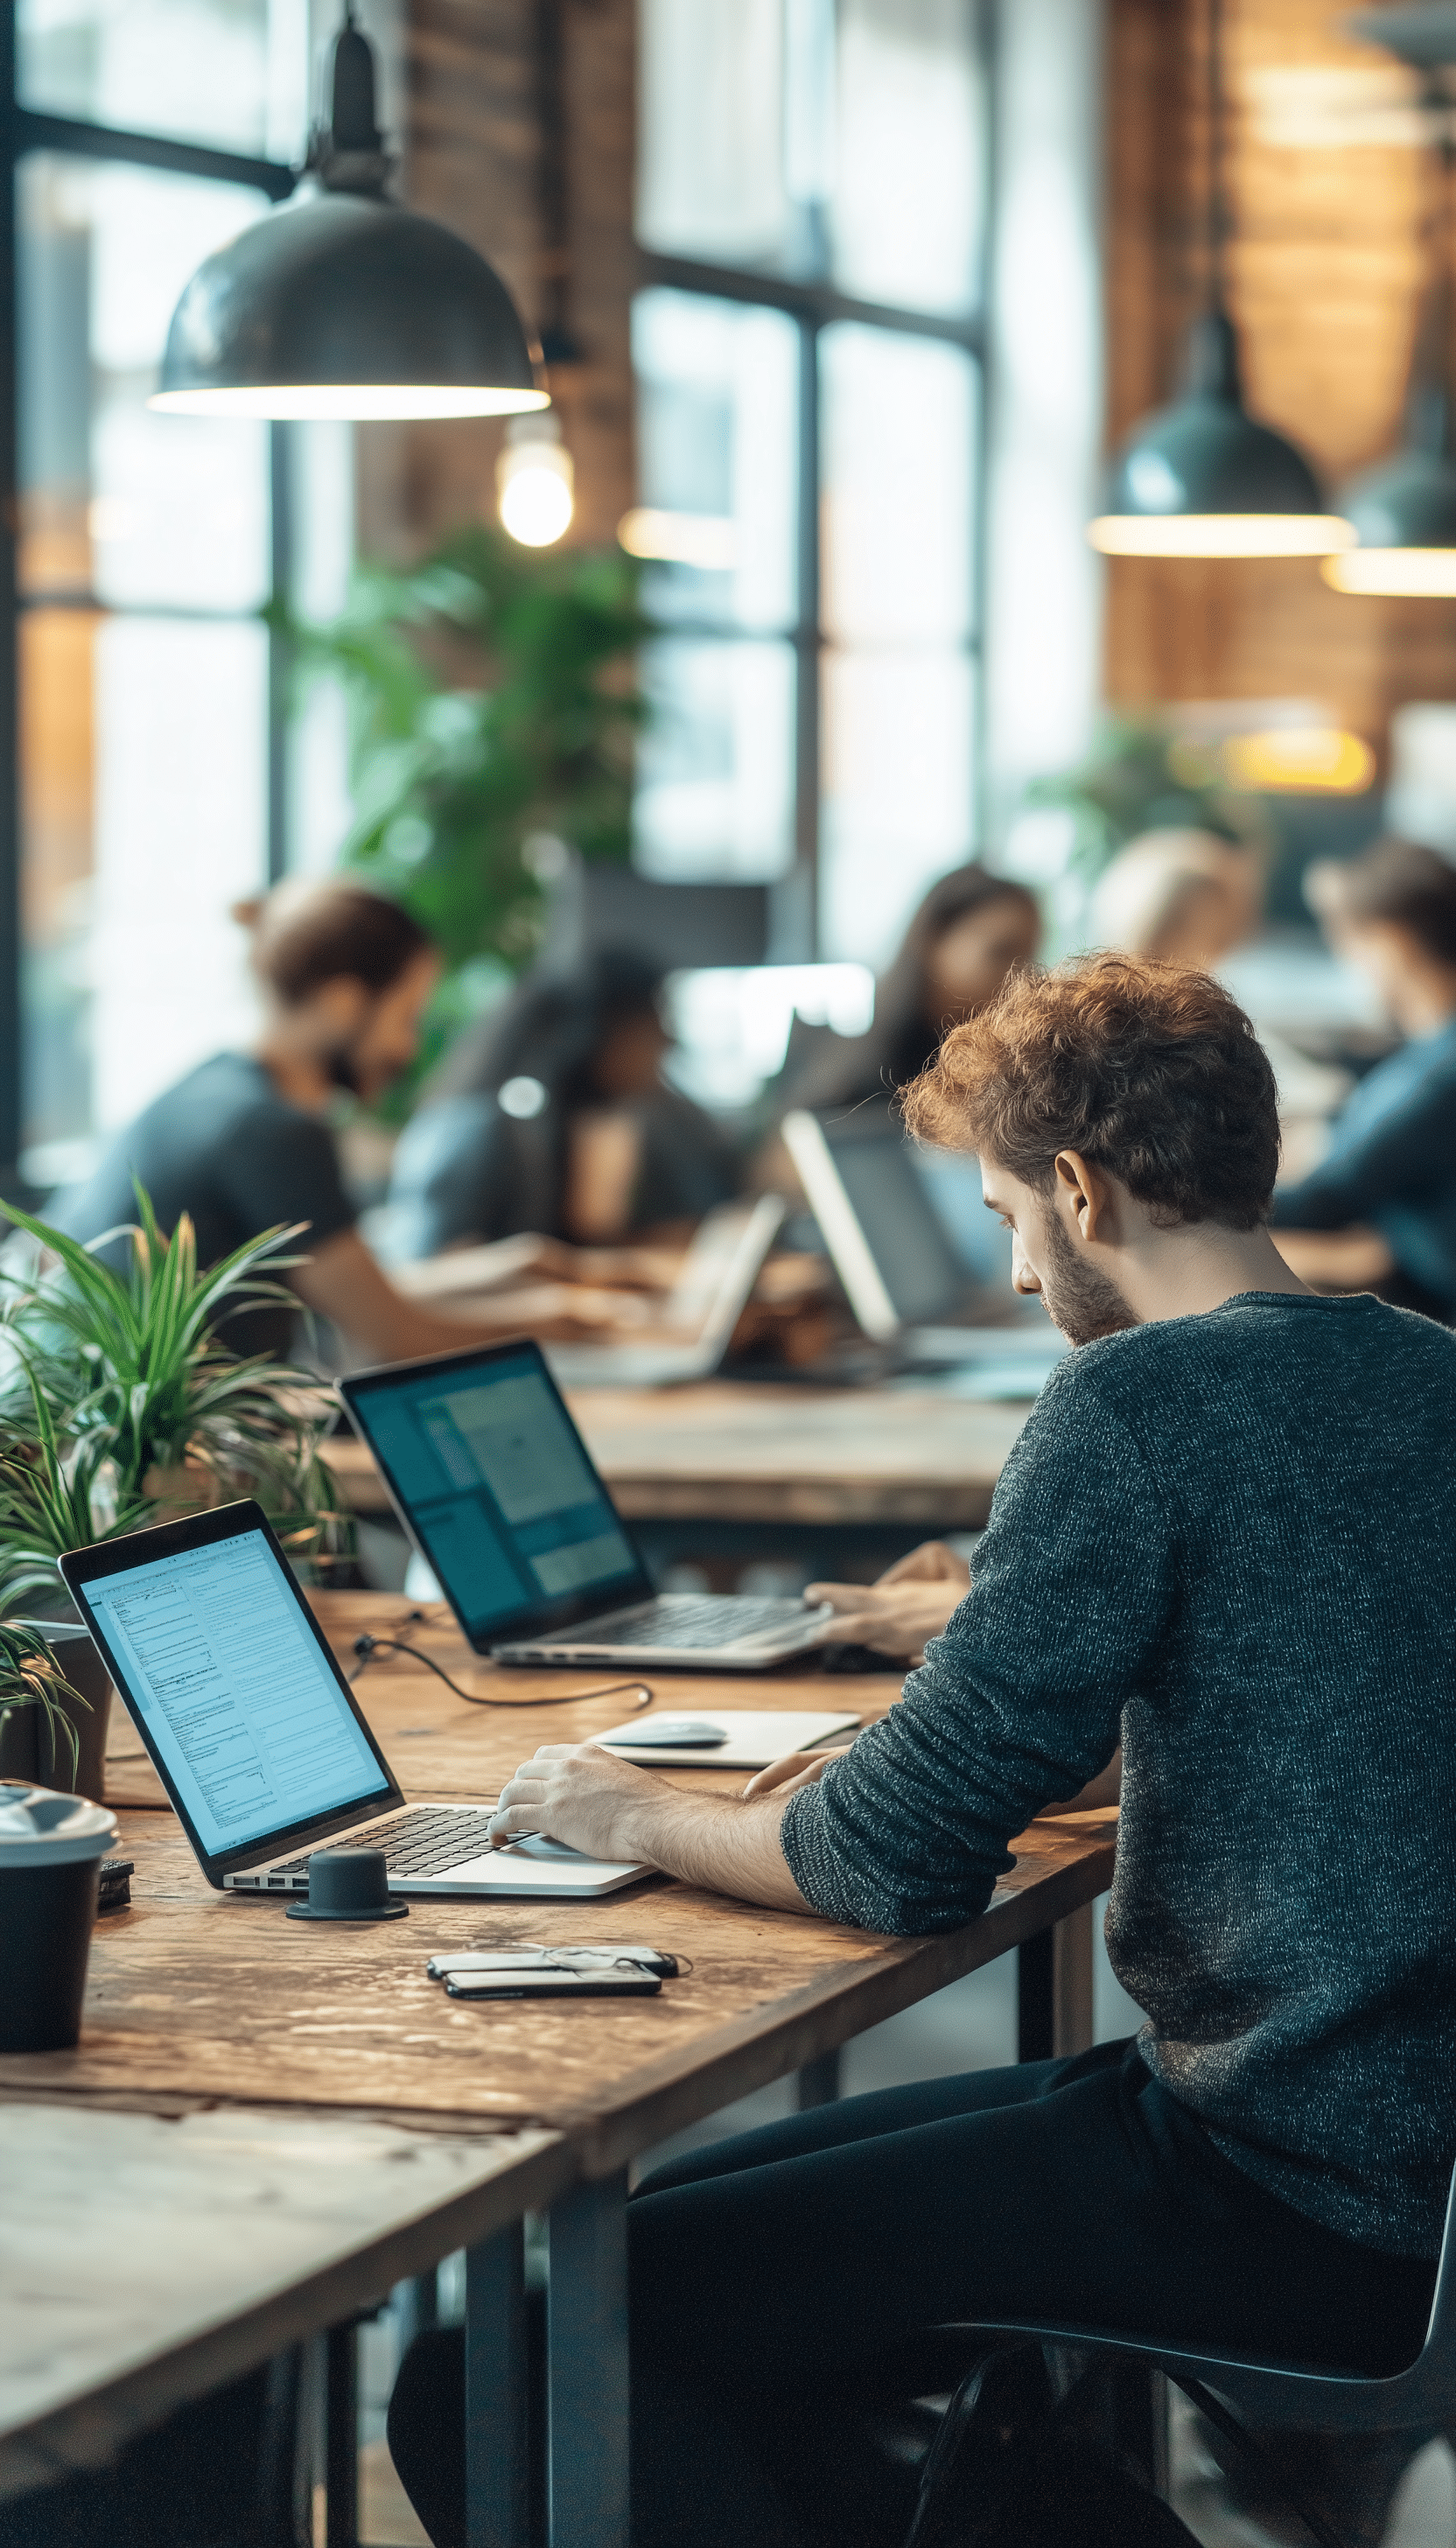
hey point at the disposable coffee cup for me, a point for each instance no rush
(51, 1851)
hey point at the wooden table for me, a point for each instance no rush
(735, 1451)
(269, 2044)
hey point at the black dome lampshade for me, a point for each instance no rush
(1404, 510)
(345, 305)
(1202, 478)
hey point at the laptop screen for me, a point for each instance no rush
(497, 1488)
(917, 1264)
(230, 1686)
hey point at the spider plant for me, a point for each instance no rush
(123, 1405)
(30, 1676)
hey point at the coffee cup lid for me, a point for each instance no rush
(41, 1828)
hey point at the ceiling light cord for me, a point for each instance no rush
(1219, 225)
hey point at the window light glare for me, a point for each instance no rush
(1221, 536)
(345, 401)
(704, 540)
(1428, 573)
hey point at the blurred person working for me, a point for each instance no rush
(970, 932)
(552, 1114)
(1226, 1535)
(1178, 895)
(1380, 1208)
(243, 1143)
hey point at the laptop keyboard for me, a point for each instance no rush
(422, 1842)
(713, 1620)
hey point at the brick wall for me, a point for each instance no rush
(1324, 273)
(474, 159)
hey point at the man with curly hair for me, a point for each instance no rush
(1226, 1541)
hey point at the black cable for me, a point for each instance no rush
(366, 1647)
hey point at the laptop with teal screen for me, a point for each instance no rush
(256, 1735)
(501, 1498)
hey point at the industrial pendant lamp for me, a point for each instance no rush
(343, 303)
(1201, 478)
(1404, 509)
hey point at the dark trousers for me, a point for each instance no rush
(785, 2285)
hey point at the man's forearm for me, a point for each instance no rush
(717, 1842)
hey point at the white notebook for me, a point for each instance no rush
(755, 1737)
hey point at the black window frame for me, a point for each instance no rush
(815, 301)
(26, 130)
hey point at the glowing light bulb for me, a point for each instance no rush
(534, 481)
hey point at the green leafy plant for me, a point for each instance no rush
(1142, 776)
(122, 1407)
(493, 700)
(30, 1676)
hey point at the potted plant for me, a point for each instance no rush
(40, 1710)
(122, 1407)
(494, 705)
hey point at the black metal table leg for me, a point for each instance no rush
(495, 2444)
(818, 2083)
(587, 2389)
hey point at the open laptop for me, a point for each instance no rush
(256, 1735)
(502, 1499)
(695, 1329)
(903, 1279)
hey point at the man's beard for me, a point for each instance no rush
(1079, 1299)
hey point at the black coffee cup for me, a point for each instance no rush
(50, 1853)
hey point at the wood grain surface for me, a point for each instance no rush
(145, 2260)
(730, 1452)
(197, 1997)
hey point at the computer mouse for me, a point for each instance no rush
(677, 1734)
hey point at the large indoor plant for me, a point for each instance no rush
(122, 1406)
(492, 706)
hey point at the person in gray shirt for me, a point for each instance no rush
(245, 1144)
(1227, 1539)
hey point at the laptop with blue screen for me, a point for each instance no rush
(503, 1501)
(256, 1735)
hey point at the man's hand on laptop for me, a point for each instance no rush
(610, 1809)
(912, 1601)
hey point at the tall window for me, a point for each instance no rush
(154, 788)
(812, 179)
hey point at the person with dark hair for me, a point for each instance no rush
(967, 934)
(1227, 1541)
(243, 1144)
(552, 1114)
(1380, 1209)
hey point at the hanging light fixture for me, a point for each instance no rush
(1404, 509)
(345, 305)
(1202, 478)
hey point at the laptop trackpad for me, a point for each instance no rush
(536, 1845)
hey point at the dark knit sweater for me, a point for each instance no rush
(1232, 1541)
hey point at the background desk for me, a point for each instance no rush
(199, 2001)
(739, 1469)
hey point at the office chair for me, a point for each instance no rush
(1234, 2395)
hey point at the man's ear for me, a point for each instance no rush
(1086, 1189)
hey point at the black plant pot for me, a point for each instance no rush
(32, 1748)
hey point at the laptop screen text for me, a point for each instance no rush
(222, 1667)
(505, 1504)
